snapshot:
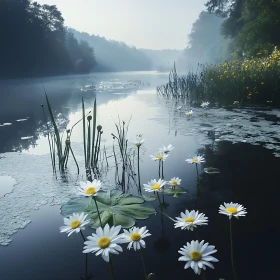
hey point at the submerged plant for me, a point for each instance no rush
(115, 208)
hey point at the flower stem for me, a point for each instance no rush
(143, 262)
(196, 171)
(98, 211)
(231, 251)
(159, 169)
(203, 275)
(82, 235)
(139, 185)
(162, 176)
(112, 269)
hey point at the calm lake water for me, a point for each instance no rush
(242, 143)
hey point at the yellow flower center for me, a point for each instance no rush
(159, 156)
(195, 160)
(189, 220)
(75, 224)
(195, 256)
(231, 210)
(155, 187)
(174, 183)
(104, 242)
(135, 236)
(91, 190)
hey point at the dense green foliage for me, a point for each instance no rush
(34, 42)
(253, 24)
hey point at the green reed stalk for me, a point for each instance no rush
(84, 130)
(93, 132)
(138, 165)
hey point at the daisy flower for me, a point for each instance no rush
(154, 185)
(134, 237)
(139, 141)
(89, 188)
(189, 220)
(159, 156)
(197, 255)
(204, 104)
(74, 223)
(104, 242)
(189, 113)
(196, 159)
(232, 209)
(174, 182)
(166, 150)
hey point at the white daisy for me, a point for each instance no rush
(104, 242)
(166, 150)
(89, 188)
(174, 182)
(154, 185)
(189, 220)
(196, 159)
(74, 223)
(232, 209)
(189, 113)
(135, 237)
(139, 141)
(204, 104)
(197, 255)
(159, 156)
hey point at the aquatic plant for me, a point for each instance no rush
(115, 207)
(74, 223)
(237, 210)
(154, 185)
(190, 219)
(55, 140)
(197, 255)
(175, 181)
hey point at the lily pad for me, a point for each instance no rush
(149, 198)
(176, 192)
(211, 170)
(115, 208)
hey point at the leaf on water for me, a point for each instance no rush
(115, 208)
(211, 170)
(176, 192)
(149, 198)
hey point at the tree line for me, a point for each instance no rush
(35, 42)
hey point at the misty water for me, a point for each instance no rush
(243, 143)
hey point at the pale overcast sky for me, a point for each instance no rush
(154, 24)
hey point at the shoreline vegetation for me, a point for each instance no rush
(247, 81)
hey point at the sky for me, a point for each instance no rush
(152, 24)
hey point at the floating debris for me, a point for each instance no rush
(21, 120)
(26, 137)
(211, 170)
(5, 124)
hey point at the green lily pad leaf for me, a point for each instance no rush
(124, 207)
(211, 170)
(124, 221)
(149, 198)
(76, 205)
(175, 192)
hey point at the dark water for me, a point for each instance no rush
(248, 176)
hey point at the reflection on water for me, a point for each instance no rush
(41, 252)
